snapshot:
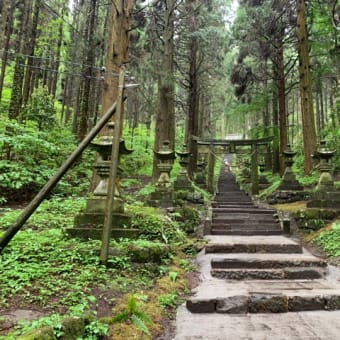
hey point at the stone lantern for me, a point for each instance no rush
(182, 181)
(163, 194)
(289, 181)
(263, 182)
(89, 223)
(200, 178)
(325, 194)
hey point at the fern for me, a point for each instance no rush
(140, 324)
(133, 314)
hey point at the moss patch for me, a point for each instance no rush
(291, 207)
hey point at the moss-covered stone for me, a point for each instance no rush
(45, 333)
(314, 218)
(72, 328)
(152, 253)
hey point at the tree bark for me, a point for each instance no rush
(19, 71)
(118, 48)
(275, 117)
(308, 120)
(165, 119)
(88, 71)
(7, 27)
(192, 120)
(30, 62)
(281, 92)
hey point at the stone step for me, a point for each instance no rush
(246, 210)
(232, 204)
(230, 195)
(266, 303)
(220, 222)
(251, 244)
(300, 273)
(231, 191)
(243, 226)
(232, 199)
(243, 218)
(264, 296)
(262, 261)
(245, 232)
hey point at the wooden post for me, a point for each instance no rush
(211, 167)
(113, 172)
(254, 170)
(34, 204)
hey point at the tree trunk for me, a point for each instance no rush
(19, 71)
(281, 92)
(275, 117)
(192, 120)
(308, 120)
(88, 72)
(165, 120)
(30, 62)
(118, 48)
(7, 26)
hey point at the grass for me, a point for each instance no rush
(42, 269)
(329, 239)
(291, 207)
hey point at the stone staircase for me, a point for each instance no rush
(250, 266)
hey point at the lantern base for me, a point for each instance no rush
(289, 181)
(183, 182)
(89, 225)
(162, 198)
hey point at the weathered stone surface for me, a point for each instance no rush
(287, 196)
(267, 304)
(234, 304)
(95, 219)
(304, 303)
(153, 253)
(248, 274)
(201, 306)
(266, 262)
(332, 302)
(303, 273)
(97, 233)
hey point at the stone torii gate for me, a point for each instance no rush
(230, 146)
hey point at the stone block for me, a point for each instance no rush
(95, 220)
(234, 304)
(303, 273)
(201, 306)
(97, 233)
(332, 302)
(267, 304)
(305, 303)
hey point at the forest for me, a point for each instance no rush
(192, 71)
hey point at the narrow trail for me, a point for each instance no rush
(255, 282)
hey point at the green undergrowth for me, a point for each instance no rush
(329, 240)
(43, 270)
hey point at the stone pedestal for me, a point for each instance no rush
(325, 195)
(201, 176)
(289, 181)
(163, 195)
(263, 182)
(182, 181)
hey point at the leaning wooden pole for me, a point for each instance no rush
(113, 172)
(29, 210)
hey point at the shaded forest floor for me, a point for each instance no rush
(46, 275)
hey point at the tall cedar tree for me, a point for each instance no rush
(308, 124)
